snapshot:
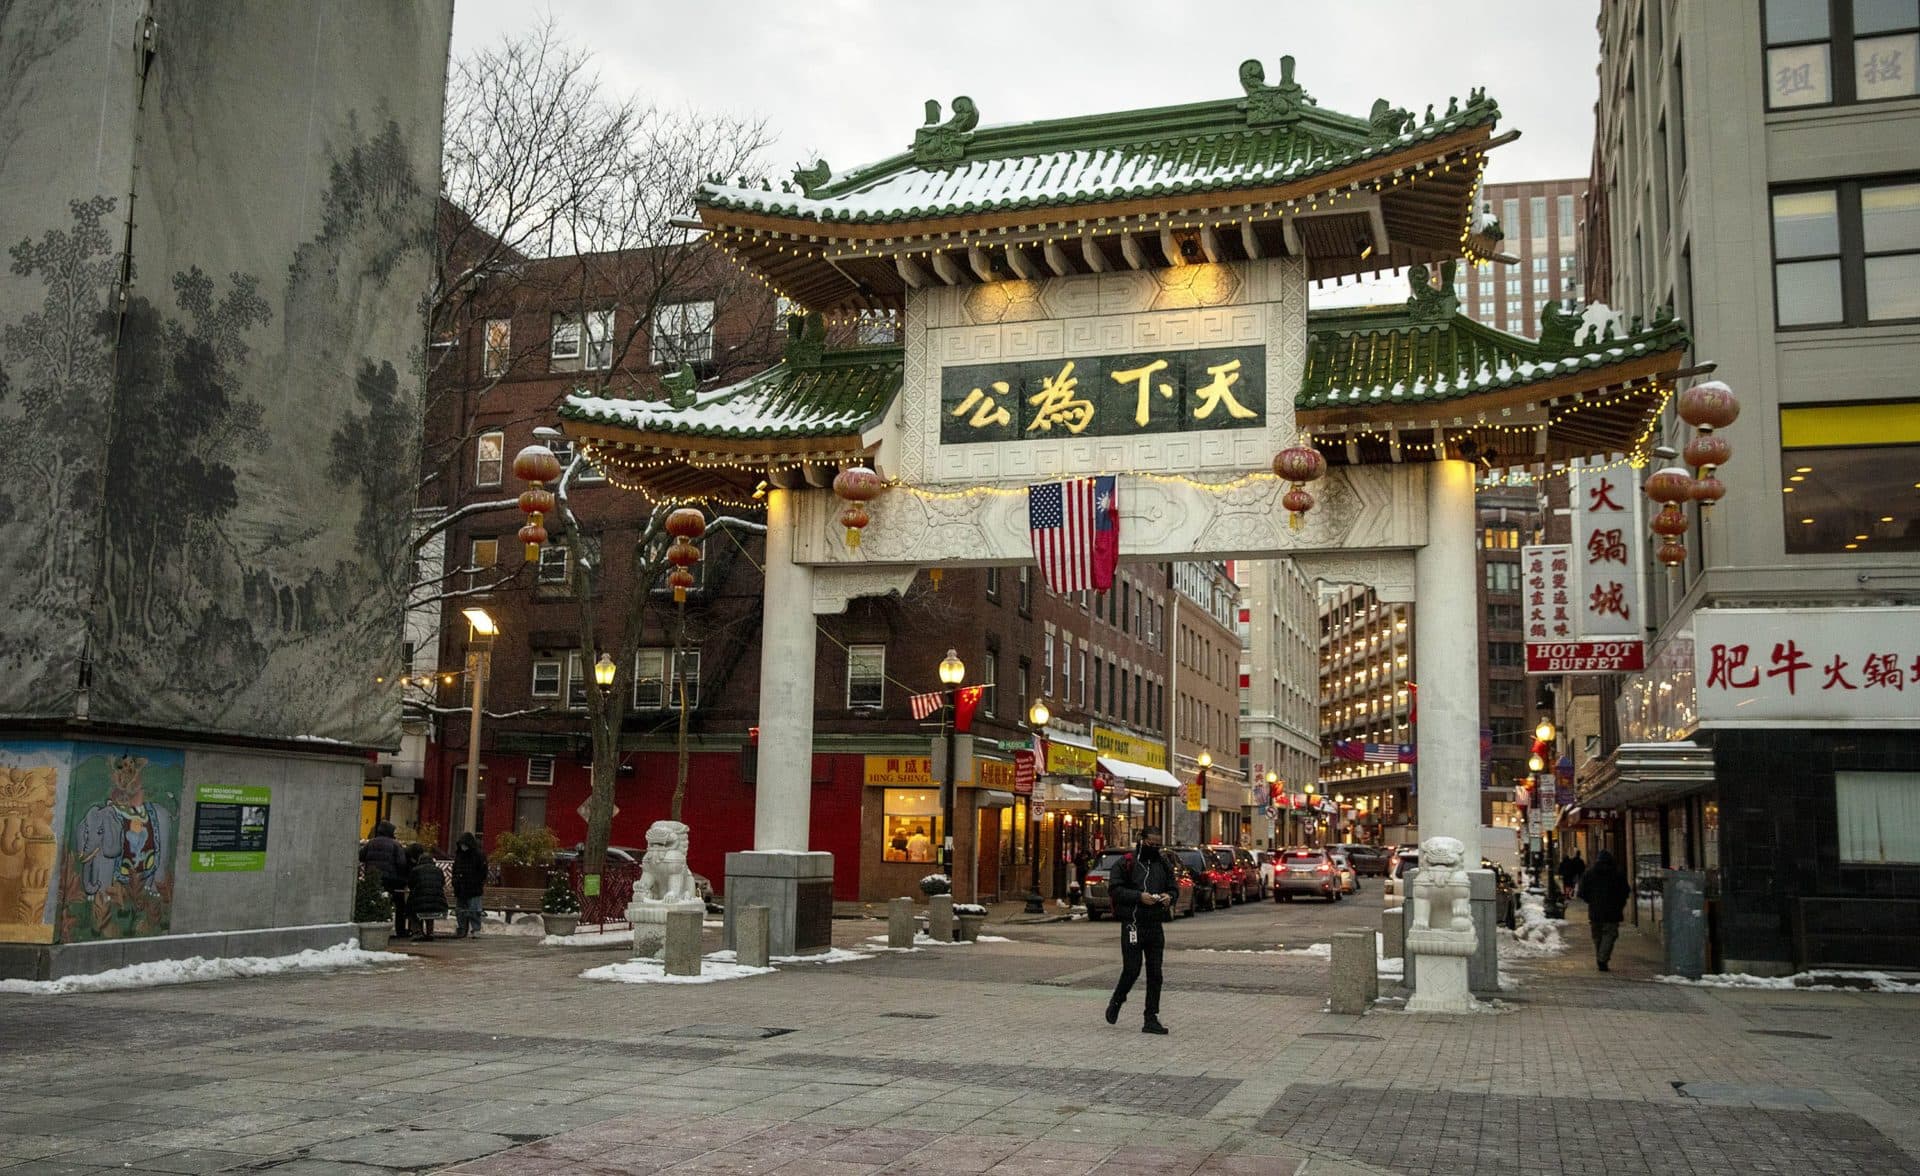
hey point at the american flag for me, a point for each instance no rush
(1373, 753)
(1075, 527)
(925, 704)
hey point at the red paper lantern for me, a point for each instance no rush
(1298, 502)
(1707, 450)
(536, 502)
(1670, 521)
(686, 523)
(1670, 484)
(536, 463)
(1709, 406)
(853, 518)
(681, 579)
(1299, 464)
(683, 554)
(1673, 553)
(1708, 490)
(534, 536)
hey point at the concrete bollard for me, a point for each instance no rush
(751, 928)
(1483, 966)
(1393, 933)
(1355, 973)
(901, 923)
(940, 918)
(682, 951)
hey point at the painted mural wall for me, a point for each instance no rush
(218, 220)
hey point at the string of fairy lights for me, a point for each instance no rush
(733, 241)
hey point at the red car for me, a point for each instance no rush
(1232, 872)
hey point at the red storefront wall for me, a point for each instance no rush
(718, 809)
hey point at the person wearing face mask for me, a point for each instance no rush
(1142, 887)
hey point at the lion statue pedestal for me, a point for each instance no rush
(1440, 932)
(665, 885)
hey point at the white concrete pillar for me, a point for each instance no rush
(787, 656)
(1446, 651)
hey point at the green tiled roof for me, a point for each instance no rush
(837, 394)
(1274, 134)
(1426, 352)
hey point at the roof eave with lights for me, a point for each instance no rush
(1267, 175)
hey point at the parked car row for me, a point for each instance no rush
(1209, 877)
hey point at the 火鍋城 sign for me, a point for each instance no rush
(1606, 556)
(1105, 395)
(1857, 667)
(230, 827)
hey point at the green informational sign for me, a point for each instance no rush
(1105, 395)
(229, 828)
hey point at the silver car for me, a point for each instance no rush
(1306, 872)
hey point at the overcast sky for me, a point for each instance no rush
(847, 79)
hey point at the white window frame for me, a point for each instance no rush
(565, 345)
(650, 669)
(598, 333)
(987, 679)
(496, 356)
(1046, 666)
(870, 675)
(540, 769)
(553, 570)
(576, 681)
(489, 458)
(555, 669)
(679, 336)
(1878, 817)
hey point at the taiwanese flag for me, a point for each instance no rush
(1106, 531)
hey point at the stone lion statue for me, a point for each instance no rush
(1441, 892)
(664, 876)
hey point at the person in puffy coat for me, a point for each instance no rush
(469, 884)
(426, 892)
(384, 853)
(1606, 891)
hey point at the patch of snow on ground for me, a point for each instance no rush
(589, 939)
(199, 968)
(833, 955)
(1322, 951)
(1803, 981)
(922, 939)
(1536, 936)
(522, 924)
(654, 972)
(1390, 967)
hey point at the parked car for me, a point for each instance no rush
(1237, 874)
(1349, 877)
(1266, 859)
(1306, 872)
(1257, 886)
(1405, 859)
(629, 855)
(1207, 892)
(1368, 860)
(1100, 902)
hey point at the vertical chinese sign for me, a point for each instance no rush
(1591, 584)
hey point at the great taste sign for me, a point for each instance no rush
(1808, 667)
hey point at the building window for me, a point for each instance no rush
(1847, 476)
(1510, 732)
(1046, 667)
(563, 351)
(1500, 538)
(1537, 218)
(683, 333)
(1539, 265)
(1539, 285)
(483, 556)
(993, 584)
(553, 564)
(1503, 616)
(1821, 51)
(1879, 817)
(866, 675)
(546, 678)
(1506, 654)
(1847, 254)
(539, 769)
(1026, 589)
(489, 458)
(599, 339)
(911, 819)
(498, 351)
(1084, 676)
(1136, 700)
(655, 689)
(1025, 682)
(1563, 205)
(1513, 286)
(1503, 577)
(990, 682)
(1506, 692)
(1486, 310)
(1510, 219)
(1513, 313)
(1098, 675)
(576, 681)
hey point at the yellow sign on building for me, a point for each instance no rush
(1064, 759)
(900, 771)
(1130, 748)
(995, 774)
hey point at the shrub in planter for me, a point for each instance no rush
(373, 911)
(523, 858)
(559, 906)
(934, 884)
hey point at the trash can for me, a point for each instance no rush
(1684, 925)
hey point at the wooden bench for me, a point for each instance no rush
(512, 900)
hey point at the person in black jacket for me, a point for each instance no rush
(1142, 887)
(1605, 889)
(1571, 868)
(469, 883)
(385, 854)
(426, 892)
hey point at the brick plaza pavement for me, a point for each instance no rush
(490, 1056)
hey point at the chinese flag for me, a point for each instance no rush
(1413, 702)
(966, 701)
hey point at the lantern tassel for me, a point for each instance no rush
(853, 537)
(1293, 521)
(679, 595)
(533, 553)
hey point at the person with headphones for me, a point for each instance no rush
(1142, 887)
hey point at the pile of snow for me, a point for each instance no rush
(1805, 981)
(833, 955)
(198, 968)
(1319, 951)
(712, 971)
(600, 938)
(922, 939)
(1390, 967)
(1537, 935)
(520, 924)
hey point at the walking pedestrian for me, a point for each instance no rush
(1606, 891)
(426, 892)
(469, 884)
(383, 852)
(1142, 887)
(1571, 868)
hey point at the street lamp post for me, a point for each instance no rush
(481, 630)
(1037, 716)
(1205, 760)
(1273, 805)
(1313, 816)
(953, 671)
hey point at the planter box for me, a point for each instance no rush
(560, 924)
(375, 936)
(970, 926)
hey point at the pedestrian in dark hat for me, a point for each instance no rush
(1142, 887)
(1605, 889)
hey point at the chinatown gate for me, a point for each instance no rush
(1126, 294)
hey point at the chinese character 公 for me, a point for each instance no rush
(988, 413)
(1215, 393)
(1056, 402)
(1144, 377)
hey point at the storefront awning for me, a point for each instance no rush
(992, 798)
(1141, 778)
(1640, 774)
